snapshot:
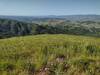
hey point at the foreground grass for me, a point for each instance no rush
(50, 55)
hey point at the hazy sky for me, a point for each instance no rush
(49, 7)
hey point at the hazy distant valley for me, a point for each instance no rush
(75, 24)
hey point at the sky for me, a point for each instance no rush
(49, 7)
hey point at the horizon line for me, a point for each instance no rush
(52, 15)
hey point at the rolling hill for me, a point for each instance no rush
(11, 28)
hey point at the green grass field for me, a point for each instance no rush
(50, 55)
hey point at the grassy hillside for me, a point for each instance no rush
(50, 55)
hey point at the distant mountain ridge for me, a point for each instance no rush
(62, 17)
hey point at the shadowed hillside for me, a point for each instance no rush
(10, 28)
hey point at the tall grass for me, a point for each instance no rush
(50, 55)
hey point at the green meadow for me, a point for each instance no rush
(56, 54)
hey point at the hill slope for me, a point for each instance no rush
(50, 55)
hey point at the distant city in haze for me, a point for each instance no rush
(49, 7)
